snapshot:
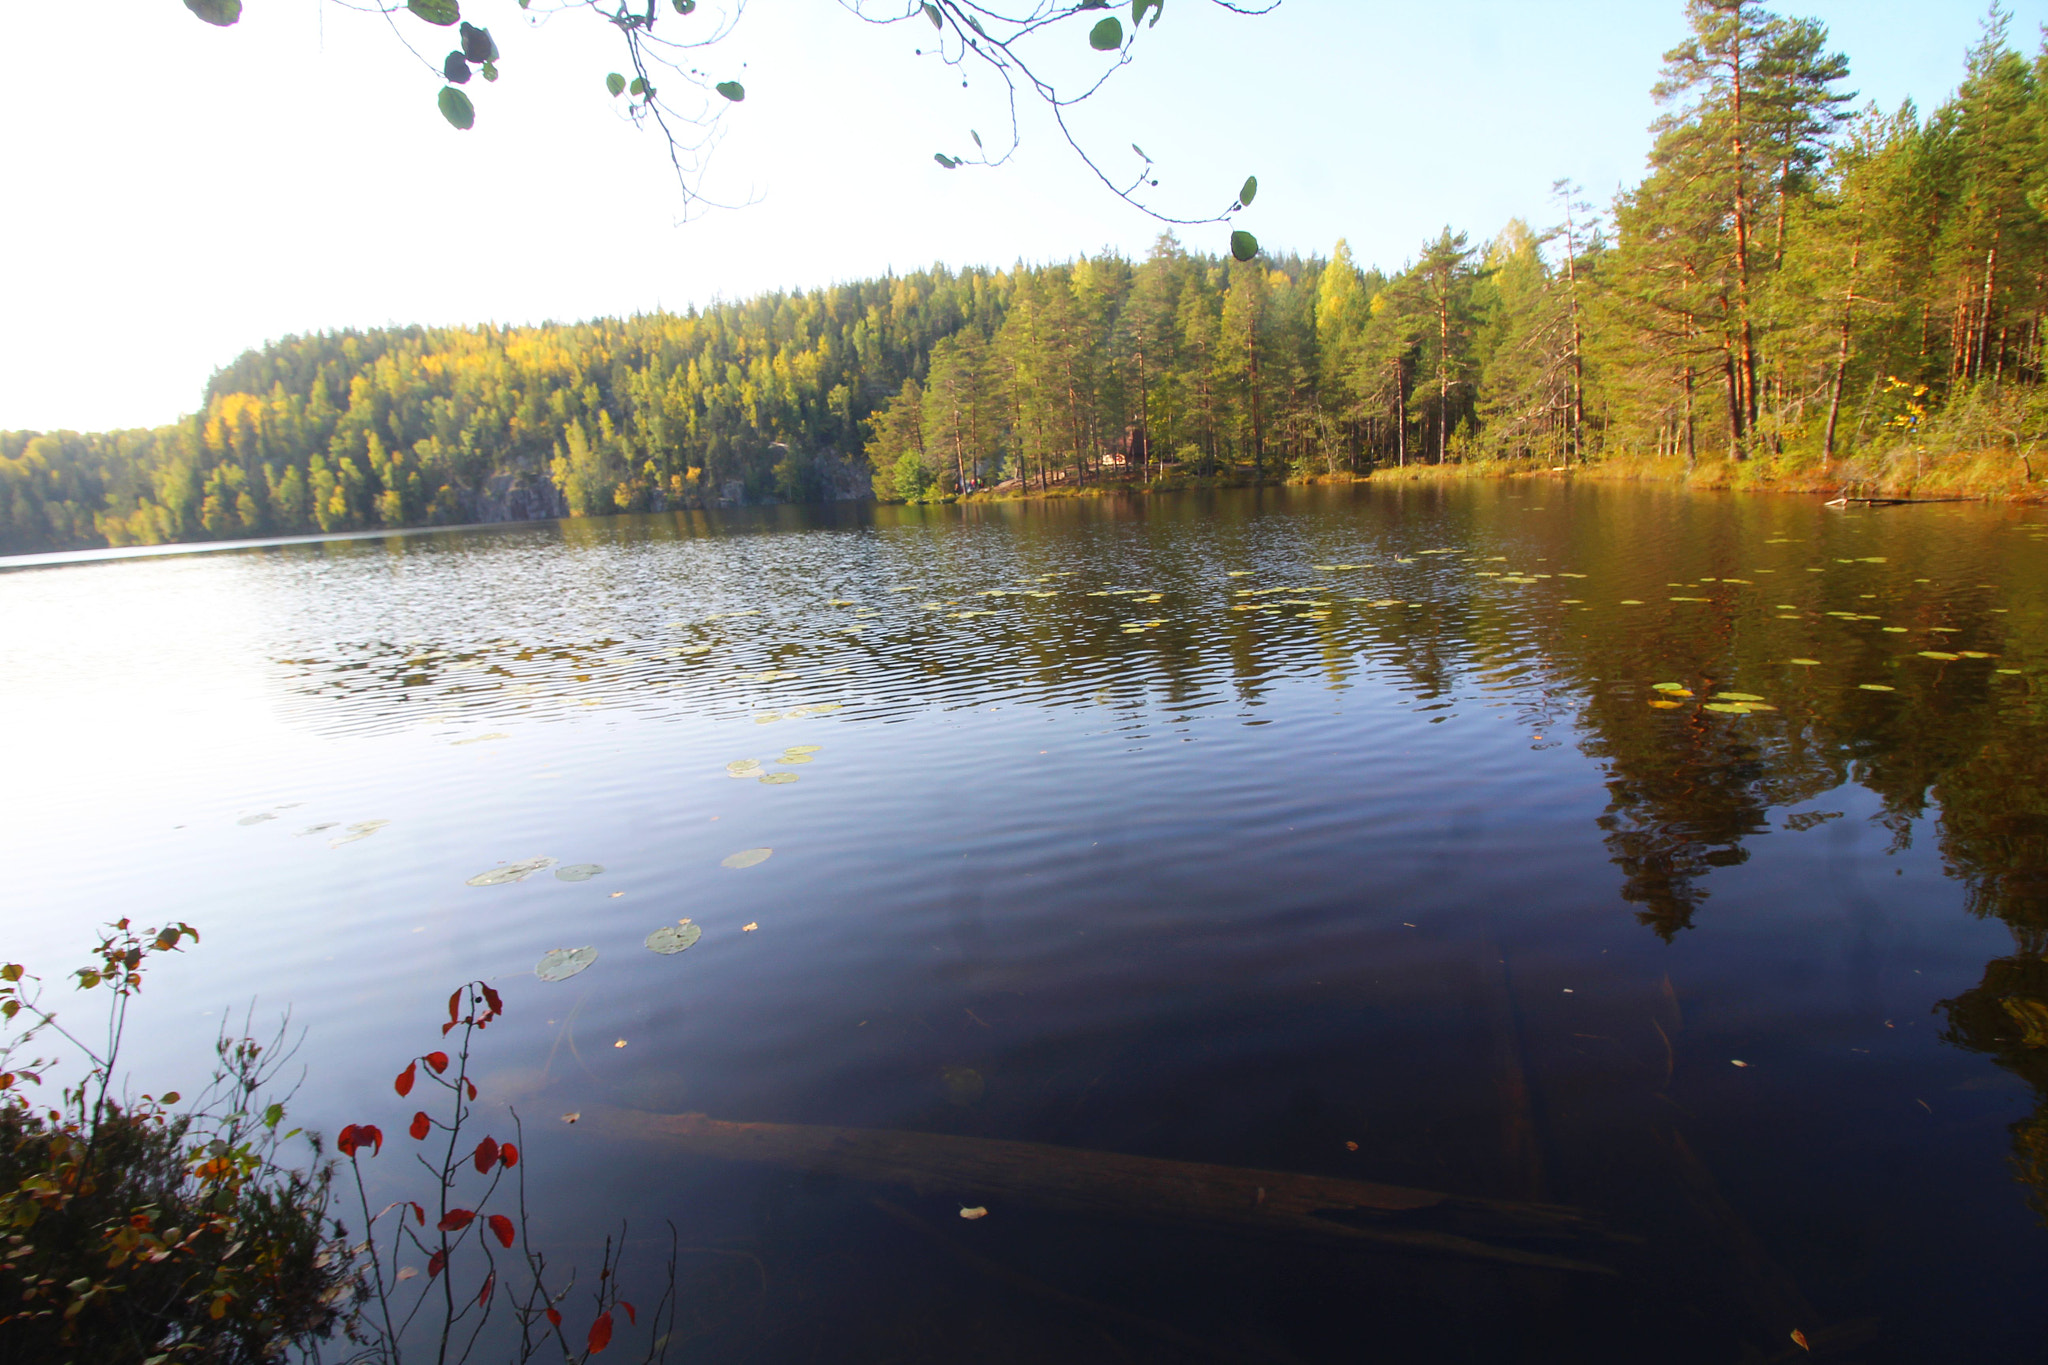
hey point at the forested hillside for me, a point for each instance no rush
(1791, 288)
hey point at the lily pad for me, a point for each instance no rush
(964, 1085)
(743, 768)
(777, 779)
(1667, 687)
(1975, 654)
(1876, 687)
(511, 872)
(559, 964)
(1667, 705)
(747, 857)
(361, 829)
(797, 750)
(1736, 696)
(1939, 654)
(796, 758)
(1805, 663)
(578, 872)
(1727, 708)
(673, 938)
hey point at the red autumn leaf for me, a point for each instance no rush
(445, 1028)
(508, 1154)
(437, 1060)
(345, 1141)
(419, 1215)
(454, 999)
(554, 1318)
(631, 1316)
(436, 1263)
(501, 1226)
(372, 1134)
(600, 1333)
(472, 1086)
(491, 998)
(403, 1085)
(486, 1155)
(455, 1220)
(484, 1295)
(421, 1125)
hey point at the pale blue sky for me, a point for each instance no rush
(177, 193)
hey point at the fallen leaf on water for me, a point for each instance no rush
(1667, 705)
(1350, 1146)
(1739, 1063)
(578, 872)
(510, 872)
(1939, 654)
(1876, 687)
(559, 964)
(748, 928)
(620, 1043)
(1799, 1340)
(1805, 663)
(571, 1118)
(747, 857)
(972, 1214)
(673, 938)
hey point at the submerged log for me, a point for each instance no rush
(1144, 1189)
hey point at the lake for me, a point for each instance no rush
(1680, 859)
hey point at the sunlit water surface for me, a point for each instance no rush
(1338, 832)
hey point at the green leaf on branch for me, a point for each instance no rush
(931, 12)
(478, 45)
(1138, 8)
(219, 13)
(442, 12)
(490, 71)
(1249, 192)
(456, 68)
(682, 6)
(616, 84)
(638, 87)
(456, 108)
(272, 1116)
(1106, 36)
(732, 90)
(948, 162)
(1243, 245)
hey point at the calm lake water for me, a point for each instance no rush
(1339, 832)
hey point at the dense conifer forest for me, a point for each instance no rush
(1794, 290)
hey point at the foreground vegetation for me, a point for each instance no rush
(1791, 297)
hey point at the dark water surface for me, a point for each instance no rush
(1368, 830)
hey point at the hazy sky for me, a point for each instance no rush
(177, 193)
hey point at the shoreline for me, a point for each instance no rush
(1986, 477)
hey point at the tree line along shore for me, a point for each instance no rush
(1798, 294)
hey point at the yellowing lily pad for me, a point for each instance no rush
(1876, 687)
(1939, 654)
(1805, 663)
(673, 938)
(579, 872)
(1736, 696)
(743, 768)
(559, 964)
(510, 872)
(795, 750)
(748, 857)
(1667, 705)
(777, 779)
